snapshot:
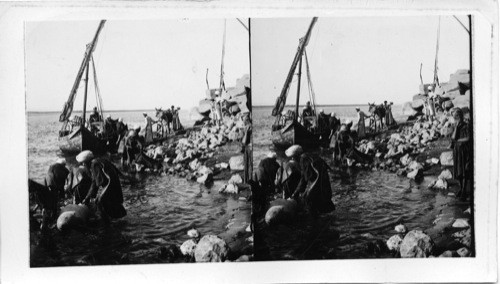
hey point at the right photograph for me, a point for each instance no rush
(362, 137)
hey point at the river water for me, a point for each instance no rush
(368, 206)
(160, 209)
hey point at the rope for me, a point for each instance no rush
(97, 91)
(312, 95)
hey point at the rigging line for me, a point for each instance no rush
(312, 95)
(97, 90)
(460, 22)
(102, 46)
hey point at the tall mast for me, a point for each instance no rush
(68, 106)
(280, 101)
(85, 96)
(436, 78)
(299, 77)
(221, 84)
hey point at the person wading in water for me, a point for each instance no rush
(105, 176)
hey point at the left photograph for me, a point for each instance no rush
(139, 141)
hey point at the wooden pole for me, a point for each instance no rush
(472, 184)
(85, 96)
(298, 89)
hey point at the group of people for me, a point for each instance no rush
(302, 177)
(93, 180)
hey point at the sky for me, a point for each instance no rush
(356, 60)
(139, 64)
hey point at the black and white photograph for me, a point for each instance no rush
(363, 141)
(136, 141)
(229, 141)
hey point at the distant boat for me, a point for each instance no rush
(287, 130)
(74, 136)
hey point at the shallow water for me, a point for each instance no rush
(160, 210)
(368, 206)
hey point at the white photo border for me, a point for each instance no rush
(14, 233)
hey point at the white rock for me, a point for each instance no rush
(394, 242)
(229, 188)
(211, 249)
(446, 158)
(446, 175)
(415, 175)
(441, 184)
(193, 233)
(400, 228)
(188, 247)
(205, 179)
(236, 163)
(416, 244)
(235, 179)
(460, 223)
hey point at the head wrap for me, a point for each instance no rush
(84, 156)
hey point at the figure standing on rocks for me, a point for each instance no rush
(389, 119)
(148, 130)
(462, 155)
(361, 123)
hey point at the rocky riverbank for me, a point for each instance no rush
(203, 155)
(420, 150)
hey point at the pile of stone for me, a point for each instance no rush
(415, 243)
(209, 248)
(186, 157)
(397, 153)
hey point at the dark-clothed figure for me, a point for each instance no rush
(121, 130)
(266, 173)
(133, 146)
(148, 131)
(57, 176)
(389, 119)
(462, 154)
(323, 125)
(81, 181)
(95, 116)
(288, 177)
(308, 111)
(246, 148)
(93, 119)
(105, 176)
(344, 143)
(109, 125)
(314, 186)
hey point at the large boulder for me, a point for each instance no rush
(236, 163)
(416, 244)
(72, 216)
(394, 242)
(446, 175)
(461, 223)
(211, 249)
(446, 158)
(188, 248)
(281, 212)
